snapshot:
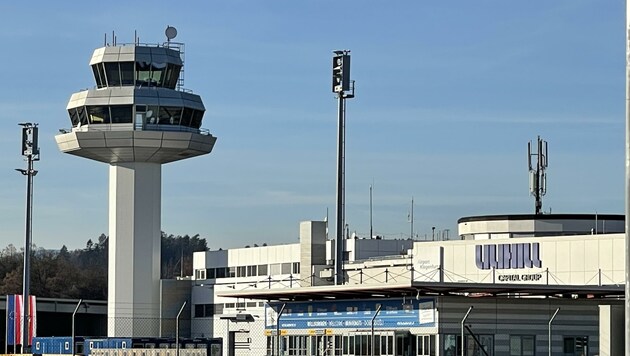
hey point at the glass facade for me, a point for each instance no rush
(386, 343)
(140, 73)
(145, 116)
(522, 345)
(575, 346)
(246, 271)
(473, 347)
(152, 68)
(96, 115)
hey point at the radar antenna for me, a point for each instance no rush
(170, 32)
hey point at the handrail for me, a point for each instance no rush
(132, 127)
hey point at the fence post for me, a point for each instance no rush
(550, 321)
(177, 329)
(73, 314)
(378, 309)
(462, 331)
(278, 329)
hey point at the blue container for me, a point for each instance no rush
(118, 343)
(52, 345)
(91, 344)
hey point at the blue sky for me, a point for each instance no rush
(448, 95)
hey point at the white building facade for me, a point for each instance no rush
(405, 297)
(241, 321)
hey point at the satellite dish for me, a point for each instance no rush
(171, 32)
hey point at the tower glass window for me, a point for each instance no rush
(170, 115)
(74, 117)
(196, 119)
(113, 74)
(152, 114)
(98, 114)
(97, 76)
(157, 73)
(143, 73)
(126, 73)
(186, 117)
(82, 115)
(172, 74)
(121, 114)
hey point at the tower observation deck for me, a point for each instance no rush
(135, 119)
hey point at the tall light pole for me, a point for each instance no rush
(30, 150)
(344, 88)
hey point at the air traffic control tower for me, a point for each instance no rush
(136, 119)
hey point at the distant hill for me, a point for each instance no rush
(82, 273)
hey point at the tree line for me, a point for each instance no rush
(82, 273)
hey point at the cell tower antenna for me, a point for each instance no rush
(344, 88)
(538, 162)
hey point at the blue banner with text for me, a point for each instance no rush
(355, 314)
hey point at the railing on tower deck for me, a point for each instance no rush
(137, 127)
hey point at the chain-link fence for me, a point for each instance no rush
(244, 337)
(148, 327)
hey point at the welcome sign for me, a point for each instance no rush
(354, 314)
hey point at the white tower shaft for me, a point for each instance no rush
(134, 249)
(627, 186)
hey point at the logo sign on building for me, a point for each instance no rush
(354, 314)
(508, 256)
(427, 260)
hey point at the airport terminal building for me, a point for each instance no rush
(510, 285)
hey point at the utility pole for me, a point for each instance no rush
(30, 150)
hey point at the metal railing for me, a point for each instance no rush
(130, 127)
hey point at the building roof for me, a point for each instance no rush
(416, 289)
(542, 217)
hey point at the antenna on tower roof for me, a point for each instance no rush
(537, 175)
(171, 32)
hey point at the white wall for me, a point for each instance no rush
(573, 260)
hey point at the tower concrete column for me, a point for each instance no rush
(134, 249)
